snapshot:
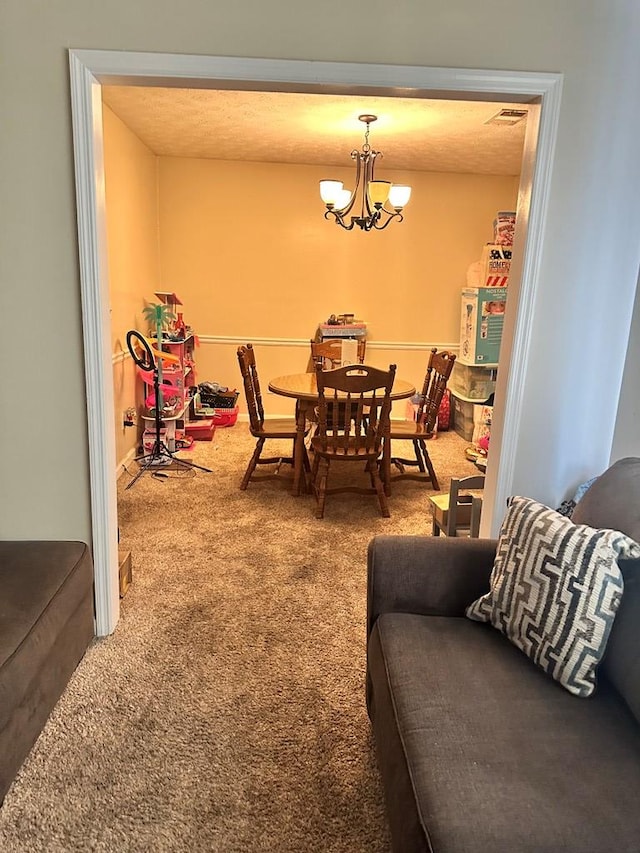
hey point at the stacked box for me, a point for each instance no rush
(468, 418)
(495, 265)
(481, 322)
(504, 226)
(462, 413)
(346, 330)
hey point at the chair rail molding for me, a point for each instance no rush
(89, 69)
(231, 340)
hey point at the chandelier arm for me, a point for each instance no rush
(338, 219)
(344, 211)
(396, 211)
(392, 216)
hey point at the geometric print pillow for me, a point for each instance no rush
(554, 590)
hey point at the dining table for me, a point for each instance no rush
(302, 387)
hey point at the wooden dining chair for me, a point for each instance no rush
(329, 352)
(435, 382)
(364, 392)
(456, 512)
(327, 355)
(261, 429)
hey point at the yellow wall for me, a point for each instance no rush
(132, 231)
(248, 250)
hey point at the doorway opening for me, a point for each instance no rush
(92, 69)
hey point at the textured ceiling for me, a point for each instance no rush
(277, 127)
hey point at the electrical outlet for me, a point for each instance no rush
(129, 417)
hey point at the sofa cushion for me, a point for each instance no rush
(46, 624)
(555, 590)
(480, 751)
(613, 500)
(621, 664)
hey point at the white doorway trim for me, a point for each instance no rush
(91, 68)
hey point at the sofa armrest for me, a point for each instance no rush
(428, 575)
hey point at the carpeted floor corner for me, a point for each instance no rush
(226, 713)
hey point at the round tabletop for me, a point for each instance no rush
(303, 386)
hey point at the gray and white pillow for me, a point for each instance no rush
(555, 589)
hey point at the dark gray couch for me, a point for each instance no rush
(478, 749)
(46, 624)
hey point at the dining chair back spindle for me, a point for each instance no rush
(424, 426)
(261, 428)
(363, 393)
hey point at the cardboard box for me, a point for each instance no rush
(495, 265)
(348, 330)
(481, 322)
(504, 226)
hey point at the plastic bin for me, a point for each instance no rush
(201, 430)
(462, 413)
(472, 382)
(225, 417)
(466, 416)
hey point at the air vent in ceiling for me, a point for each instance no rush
(507, 117)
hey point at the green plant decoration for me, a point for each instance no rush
(159, 315)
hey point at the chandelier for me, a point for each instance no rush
(369, 196)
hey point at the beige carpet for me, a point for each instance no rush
(226, 713)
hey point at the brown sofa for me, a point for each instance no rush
(46, 624)
(478, 748)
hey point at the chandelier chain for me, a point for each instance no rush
(366, 147)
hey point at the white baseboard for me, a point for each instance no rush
(121, 466)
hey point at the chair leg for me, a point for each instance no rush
(385, 466)
(379, 487)
(418, 451)
(321, 487)
(251, 467)
(314, 468)
(429, 464)
(306, 471)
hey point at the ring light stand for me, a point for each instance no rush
(160, 453)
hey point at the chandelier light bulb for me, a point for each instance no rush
(343, 200)
(399, 196)
(379, 192)
(330, 192)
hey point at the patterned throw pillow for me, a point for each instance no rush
(555, 590)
